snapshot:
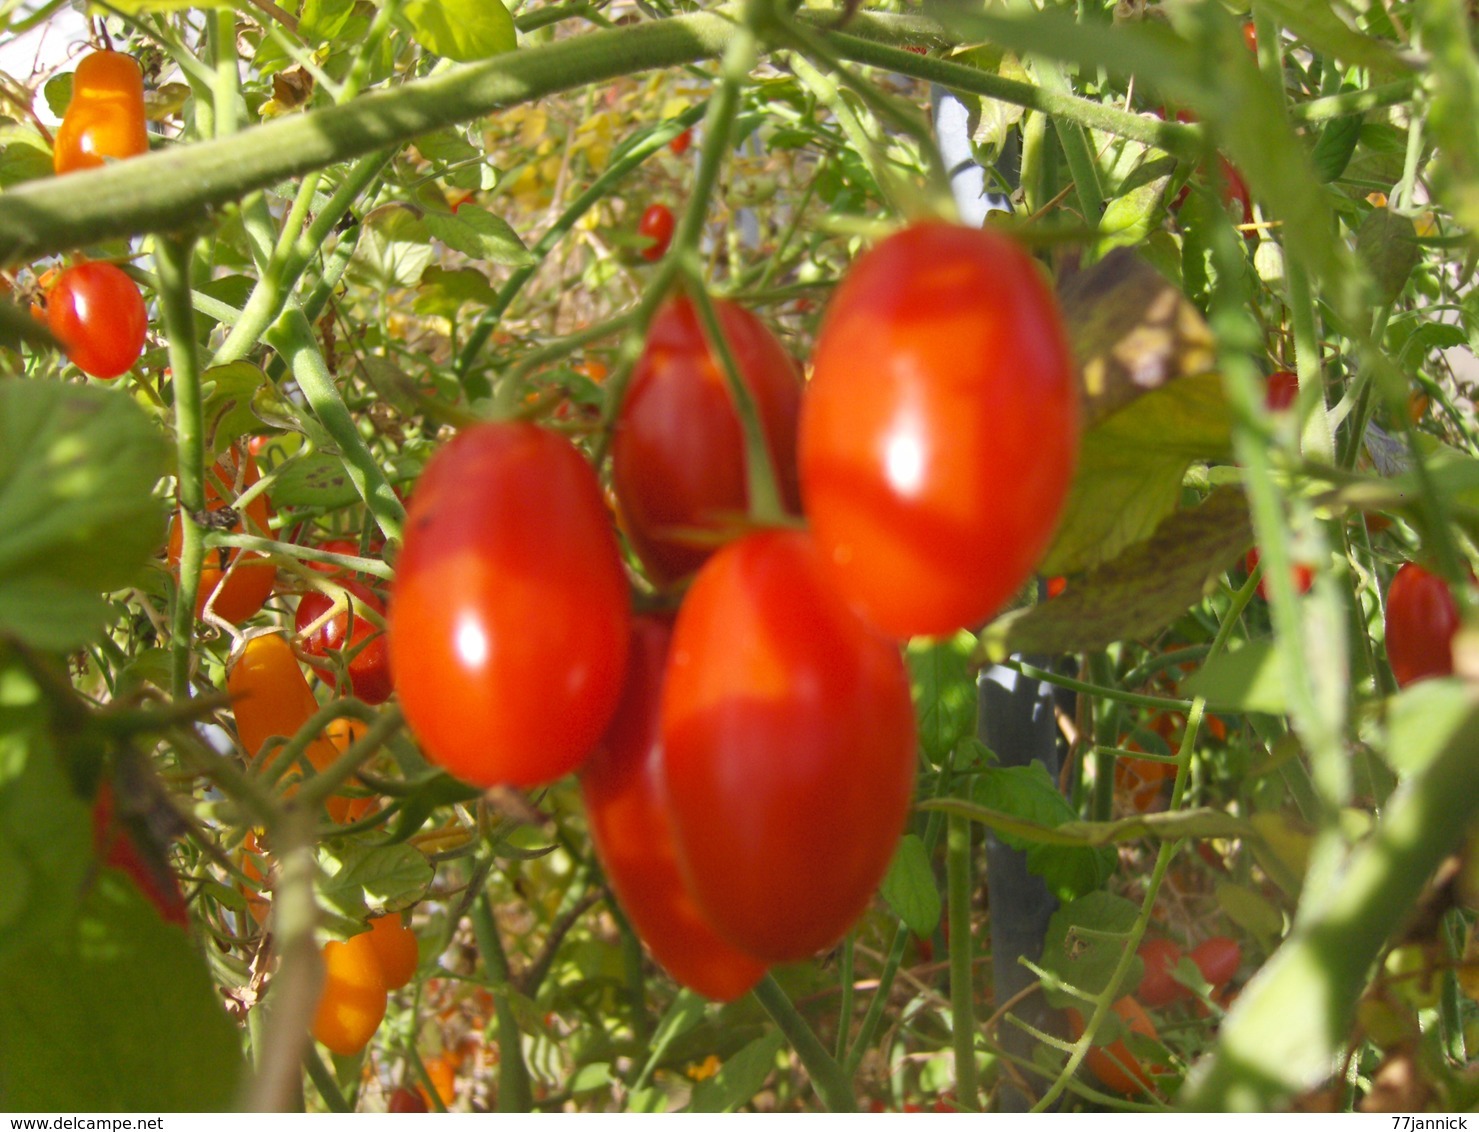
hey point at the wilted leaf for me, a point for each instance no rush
(1140, 592)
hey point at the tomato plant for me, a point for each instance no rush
(623, 788)
(788, 747)
(105, 118)
(678, 456)
(941, 373)
(352, 1002)
(656, 226)
(351, 634)
(233, 583)
(509, 615)
(1421, 619)
(97, 313)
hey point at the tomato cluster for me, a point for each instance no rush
(748, 768)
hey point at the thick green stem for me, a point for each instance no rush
(831, 1083)
(514, 1094)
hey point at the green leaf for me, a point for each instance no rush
(1084, 943)
(476, 232)
(1250, 678)
(1171, 826)
(318, 480)
(429, 795)
(464, 30)
(1251, 912)
(1422, 720)
(1388, 244)
(1030, 794)
(359, 880)
(229, 392)
(444, 292)
(741, 1077)
(1336, 147)
(944, 693)
(1140, 592)
(1130, 471)
(321, 21)
(393, 250)
(909, 887)
(78, 516)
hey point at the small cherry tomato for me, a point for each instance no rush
(351, 633)
(1250, 36)
(97, 313)
(1218, 959)
(1303, 576)
(106, 115)
(940, 428)
(1157, 987)
(679, 145)
(342, 732)
(114, 844)
(678, 457)
(625, 804)
(657, 225)
(345, 546)
(236, 583)
(509, 616)
(788, 749)
(1139, 781)
(442, 1072)
(396, 948)
(1282, 389)
(1114, 1064)
(352, 1001)
(270, 696)
(1422, 618)
(404, 1100)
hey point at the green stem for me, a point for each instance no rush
(845, 982)
(829, 1079)
(962, 981)
(514, 1094)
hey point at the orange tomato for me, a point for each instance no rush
(254, 864)
(240, 587)
(353, 999)
(1114, 1064)
(443, 1075)
(342, 732)
(106, 115)
(1139, 780)
(396, 947)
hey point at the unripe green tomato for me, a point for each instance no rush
(1412, 976)
(1384, 1025)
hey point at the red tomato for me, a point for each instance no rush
(678, 457)
(940, 428)
(1114, 1064)
(404, 1100)
(97, 313)
(509, 615)
(788, 746)
(1250, 36)
(150, 874)
(1282, 389)
(1218, 959)
(346, 546)
(679, 145)
(657, 224)
(1422, 618)
(1304, 577)
(240, 591)
(622, 783)
(106, 115)
(369, 663)
(1157, 987)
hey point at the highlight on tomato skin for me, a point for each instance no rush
(942, 375)
(510, 614)
(788, 738)
(678, 463)
(624, 793)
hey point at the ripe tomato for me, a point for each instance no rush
(404, 1100)
(509, 616)
(1157, 987)
(347, 546)
(788, 747)
(1234, 188)
(346, 632)
(1139, 781)
(1304, 576)
(97, 313)
(270, 696)
(352, 1002)
(1422, 618)
(1250, 36)
(1282, 389)
(150, 873)
(256, 865)
(657, 225)
(396, 948)
(622, 783)
(106, 115)
(678, 456)
(239, 587)
(443, 1074)
(1218, 959)
(679, 145)
(342, 732)
(1114, 1064)
(940, 428)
